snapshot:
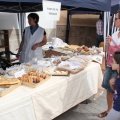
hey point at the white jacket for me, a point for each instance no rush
(29, 40)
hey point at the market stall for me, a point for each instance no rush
(52, 98)
(55, 95)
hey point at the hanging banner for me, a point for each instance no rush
(51, 10)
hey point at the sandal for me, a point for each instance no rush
(103, 114)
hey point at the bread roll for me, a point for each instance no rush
(8, 82)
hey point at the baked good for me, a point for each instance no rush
(27, 64)
(79, 49)
(12, 72)
(5, 81)
(65, 57)
(85, 48)
(33, 77)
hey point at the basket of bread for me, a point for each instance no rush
(34, 78)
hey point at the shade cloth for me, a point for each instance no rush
(115, 6)
(36, 5)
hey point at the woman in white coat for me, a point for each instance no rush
(34, 37)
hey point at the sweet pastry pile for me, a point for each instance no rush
(84, 60)
(56, 61)
(28, 64)
(87, 51)
(70, 65)
(12, 72)
(8, 81)
(53, 71)
(65, 58)
(71, 47)
(33, 77)
(85, 48)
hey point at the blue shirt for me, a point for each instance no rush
(116, 105)
(33, 29)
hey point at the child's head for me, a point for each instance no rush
(117, 57)
(116, 61)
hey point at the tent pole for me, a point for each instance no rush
(105, 25)
(67, 27)
(113, 25)
(19, 21)
(106, 31)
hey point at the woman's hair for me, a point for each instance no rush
(117, 57)
(34, 16)
(118, 13)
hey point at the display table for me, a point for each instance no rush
(52, 98)
(17, 105)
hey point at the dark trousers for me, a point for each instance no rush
(99, 39)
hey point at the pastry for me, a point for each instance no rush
(33, 77)
(12, 72)
(79, 49)
(27, 64)
(5, 81)
(85, 48)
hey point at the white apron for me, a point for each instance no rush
(29, 40)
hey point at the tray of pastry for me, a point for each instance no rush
(8, 84)
(71, 66)
(54, 72)
(34, 79)
(70, 47)
(73, 71)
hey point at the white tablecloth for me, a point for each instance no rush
(17, 105)
(54, 97)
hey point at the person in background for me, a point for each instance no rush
(99, 31)
(114, 113)
(34, 37)
(113, 45)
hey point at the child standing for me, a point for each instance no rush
(114, 113)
